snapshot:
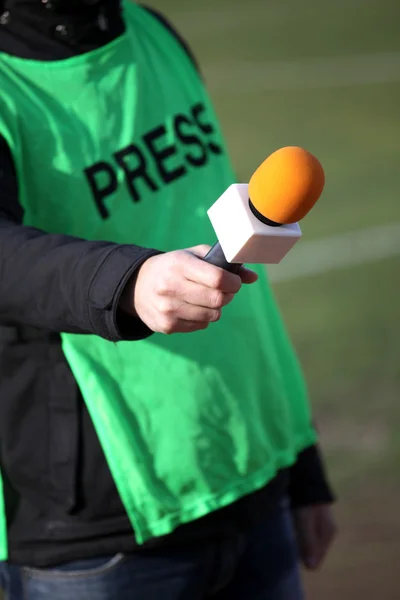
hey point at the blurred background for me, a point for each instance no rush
(325, 74)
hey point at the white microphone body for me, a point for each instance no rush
(242, 237)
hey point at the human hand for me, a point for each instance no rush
(315, 530)
(177, 292)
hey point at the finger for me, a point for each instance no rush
(247, 275)
(201, 250)
(199, 271)
(183, 326)
(199, 314)
(200, 295)
(174, 310)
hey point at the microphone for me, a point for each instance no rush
(258, 223)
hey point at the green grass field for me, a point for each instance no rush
(326, 75)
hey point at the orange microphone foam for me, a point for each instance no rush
(286, 185)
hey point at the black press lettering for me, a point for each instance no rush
(162, 154)
(103, 182)
(139, 171)
(182, 122)
(198, 112)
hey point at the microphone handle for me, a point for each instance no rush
(216, 257)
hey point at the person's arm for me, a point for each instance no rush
(311, 499)
(58, 282)
(66, 284)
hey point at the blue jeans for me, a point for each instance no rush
(3, 576)
(260, 564)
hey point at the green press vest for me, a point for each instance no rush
(122, 144)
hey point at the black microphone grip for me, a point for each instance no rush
(216, 257)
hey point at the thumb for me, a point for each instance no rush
(246, 275)
(200, 250)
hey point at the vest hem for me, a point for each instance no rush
(229, 495)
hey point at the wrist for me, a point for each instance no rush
(128, 324)
(126, 302)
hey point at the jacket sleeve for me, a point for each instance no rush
(308, 483)
(61, 283)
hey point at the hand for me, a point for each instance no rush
(315, 528)
(177, 292)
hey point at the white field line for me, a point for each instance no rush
(359, 69)
(338, 252)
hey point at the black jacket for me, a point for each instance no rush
(61, 501)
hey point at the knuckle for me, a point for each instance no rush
(177, 259)
(162, 286)
(236, 284)
(217, 300)
(168, 326)
(215, 316)
(165, 307)
(228, 298)
(218, 279)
